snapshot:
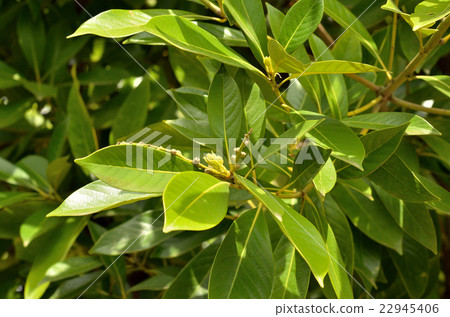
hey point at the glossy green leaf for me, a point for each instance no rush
(72, 288)
(132, 115)
(14, 175)
(383, 120)
(193, 278)
(186, 198)
(36, 225)
(300, 22)
(307, 166)
(427, 12)
(440, 146)
(371, 217)
(154, 283)
(303, 235)
(414, 219)
(333, 134)
(397, 179)
(338, 274)
(121, 23)
(380, 146)
(275, 18)
(291, 272)
(412, 267)
(443, 204)
(225, 107)
(367, 257)
(134, 167)
(81, 133)
(95, 197)
(72, 267)
(243, 266)
(190, 37)
(59, 243)
(326, 178)
(440, 82)
(142, 232)
(255, 114)
(36, 166)
(249, 15)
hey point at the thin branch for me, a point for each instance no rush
(409, 105)
(214, 8)
(366, 107)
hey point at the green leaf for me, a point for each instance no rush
(154, 283)
(9, 77)
(14, 175)
(95, 197)
(253, 119)
(275, 18)
(31, 35)
(291, 272)
(12, 112)
(339, 13)
(225, 107)
(141, 173)
(395, 177)
(36, 167)
(380, 146)
(190, 128)
(412, 267)
(190, 37)
(302, 234)
(338, 274)
(384, 120)
(72, 267)
(132, 114)
(72, 288)
(414, 219)
(440, 146)
(190, 282)
(427, 12)
(333, 134)
(249, 15)
(367, 257)
(243, 266)
(440, 82)
(142, 232)
(326, 178)
(121, 23)
(11, 198)
(371, 217)
(300, 22)
(59, 243)
(443, 205)
(186, 198)
(36, 225)
(81, 133)
(306, 167)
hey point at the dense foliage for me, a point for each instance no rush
(224, 149)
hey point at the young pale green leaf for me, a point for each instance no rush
(142, 232)
(291, 272)
(95, 197)
(121, 23)
(249, 15)
(427, 12)
(412, 267)
(190, 282)
(307, 166)
(395, 177)
(339, 13)
(36, 225)
(275, 18)
(326, 178)
(380, 146)
(72, 267)
(132, 115)
(333, 134)
(300, 22)
(225, 107)
(440, 82)
(338, 274)
(255, 113)
(194, 201)
(134, 167)
(57, 246)
(384, 120)
(81, 133)
(243, 266)
(414, 219)
(302, 233)
(371, 217)
(187, 36)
